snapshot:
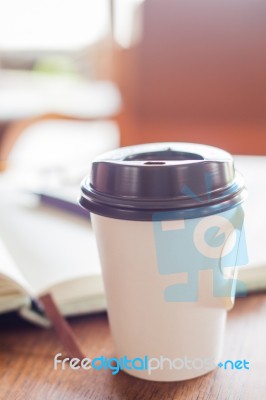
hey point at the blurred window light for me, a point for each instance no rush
(127, 25)
(52, 24)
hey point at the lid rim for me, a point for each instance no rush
(194, 180)
(138, 214)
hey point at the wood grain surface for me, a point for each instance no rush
(26, 363)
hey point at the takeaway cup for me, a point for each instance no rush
(168, 220)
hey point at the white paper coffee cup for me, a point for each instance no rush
(169, 225)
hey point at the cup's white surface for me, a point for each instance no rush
(142, 322)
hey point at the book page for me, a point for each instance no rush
(48, 246)
(11, 278)
(253, 170)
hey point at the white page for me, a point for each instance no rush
(48, 246)
(253, 168)
(10, 272)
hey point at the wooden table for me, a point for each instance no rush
(26, 363)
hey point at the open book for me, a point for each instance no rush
(45, 250)
(42, 249)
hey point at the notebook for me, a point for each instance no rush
(43, 250)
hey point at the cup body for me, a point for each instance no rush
(188, 333)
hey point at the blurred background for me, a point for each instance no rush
(81, 77)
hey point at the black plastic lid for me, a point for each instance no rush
(138, 182)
